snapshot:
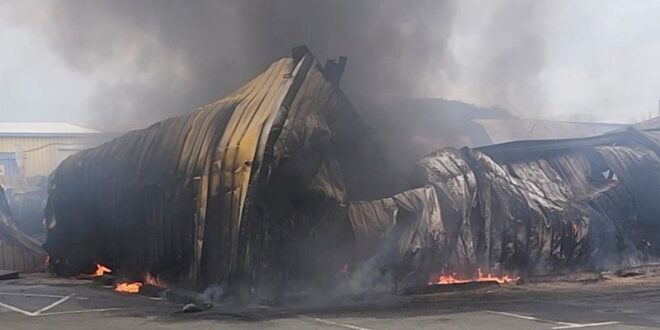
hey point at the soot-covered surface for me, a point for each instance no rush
(528, 207)
(243, 193)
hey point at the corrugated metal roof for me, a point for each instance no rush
(43, 128)
(196, 185)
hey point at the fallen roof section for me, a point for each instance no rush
(531, 207)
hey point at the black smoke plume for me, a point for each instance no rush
(159, 58)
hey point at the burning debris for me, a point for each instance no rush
(100, 271)
(150, 282)
(126, 287)
(479, 277)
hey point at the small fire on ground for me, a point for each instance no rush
(100, 271)
(480, 277)
(128, 287)
(134, 287)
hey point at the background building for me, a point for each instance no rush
(30, 149)
(29, 152)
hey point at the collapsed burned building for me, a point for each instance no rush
(277, 186)
(527, 207)
(244, 192)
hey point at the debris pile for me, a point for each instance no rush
(529, 207)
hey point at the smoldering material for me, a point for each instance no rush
(526, 207)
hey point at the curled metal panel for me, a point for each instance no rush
(212, 197)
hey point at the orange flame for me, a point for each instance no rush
(100, 270)
(455, 279)
(134, 287)
(128, 287)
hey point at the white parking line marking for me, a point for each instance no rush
(36, 295)
(83, 311)
(560, 325)
(585, 325)
(328, 322)
(15, 309)
(524, 317)
(53, 305)
(41, 312)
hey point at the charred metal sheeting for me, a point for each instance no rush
(17, 251)
(208, 198)
(536, 207)
(27, 198)
(412, 216)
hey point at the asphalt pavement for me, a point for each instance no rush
(616, 303)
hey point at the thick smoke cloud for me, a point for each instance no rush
(121, 64)
(512, 46)
(159, 58)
